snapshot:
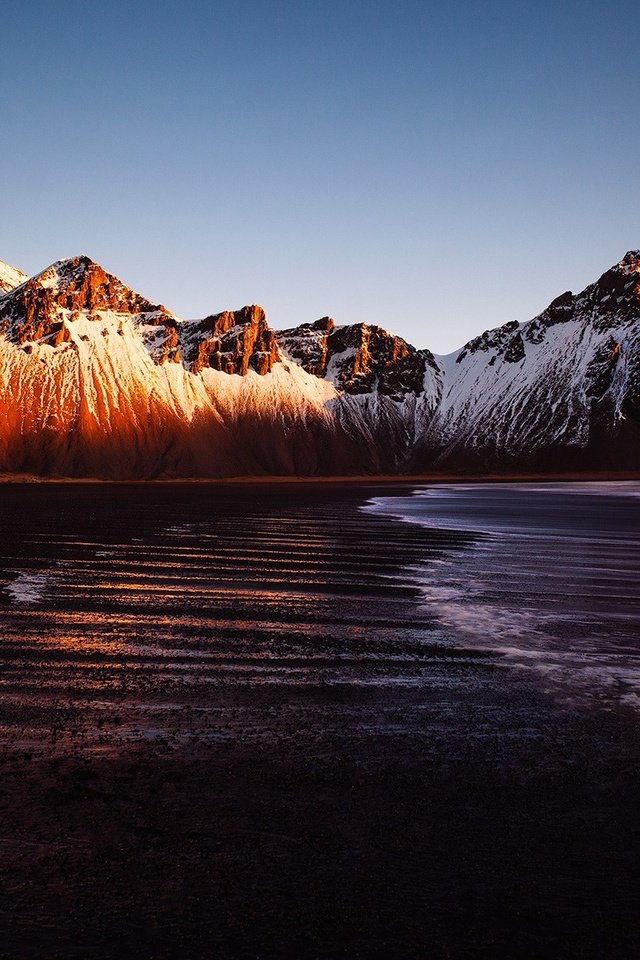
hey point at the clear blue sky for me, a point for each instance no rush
(437, 168)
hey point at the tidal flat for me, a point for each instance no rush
(310, 721)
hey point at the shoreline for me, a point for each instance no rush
(235, 698)
(591, 476)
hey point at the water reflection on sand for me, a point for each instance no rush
(553, 581)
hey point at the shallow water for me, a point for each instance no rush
(553, 581)
(134, 595)
(266, 722)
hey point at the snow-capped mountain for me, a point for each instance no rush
(562, 390)
(99, 381)
(10, 277)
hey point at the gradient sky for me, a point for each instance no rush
(436, 168)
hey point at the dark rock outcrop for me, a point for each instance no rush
(308, 345)
(232, 341)
(359, 359)
(503, 341)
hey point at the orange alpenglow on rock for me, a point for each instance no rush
(99, 381)
(234, 341)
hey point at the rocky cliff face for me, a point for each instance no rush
(233, 342)
(99, 381)
(359, 359)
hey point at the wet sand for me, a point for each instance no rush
(230, 727)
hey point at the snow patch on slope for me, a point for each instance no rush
(10, 277)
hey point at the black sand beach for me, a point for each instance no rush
(230, 726)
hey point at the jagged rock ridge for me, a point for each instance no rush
(558, 391)
(99, 381)
(232, 342)
(358, 359)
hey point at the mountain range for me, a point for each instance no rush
(98, 381)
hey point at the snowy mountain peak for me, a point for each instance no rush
(79, 283)
(10, 277)
(40, 307)
(630, 263)
(97, 380)
(65, 270)
(67, 273)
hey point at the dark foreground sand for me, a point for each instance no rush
(226, 730)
